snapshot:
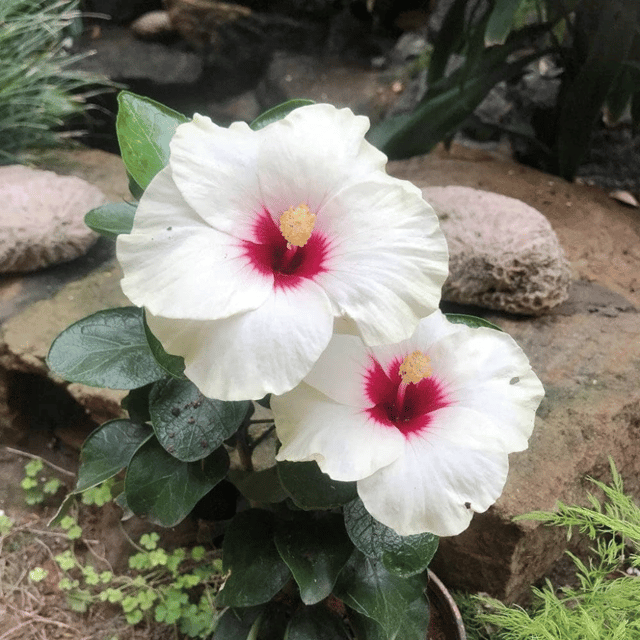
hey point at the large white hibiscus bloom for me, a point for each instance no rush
(249, 244)
(424, 426)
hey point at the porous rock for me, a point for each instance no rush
(42, 220)
(504, 254)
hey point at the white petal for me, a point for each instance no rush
(246, 356)
(313, 152)
(215, 169)
(345, 443)
(177, 266)
(427, 489)
(387, 260)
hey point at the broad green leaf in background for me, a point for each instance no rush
(144, 129)
(500, 21)
(278, 112)
(249, 552)
(398, 605)
(309, 488)
(173, 365)
(450, 39)
(316, 623)
(107, 349)
(260, 486)
(166, 489)
(188, 425)
(471, 321)
(402, 555)
(315, 549)
(111, 219)
(108, 450)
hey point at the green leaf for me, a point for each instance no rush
(107, 349)
(449, 40)
(402, 555)
(111, 219)
(316, 550)
(173, 365)
(249, 552)
(108, 450)
(144, 129)
(316, 623)
(471, 321)
(166, 489)
(260, 486)
(134, 188)
(365, 628)
(309, 488)
(188, 425)
(398, 605)
(583, 98)
(235, 624)
(278, 112)
(136, 404)
(500, 21)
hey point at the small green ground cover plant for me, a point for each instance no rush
(39, 88)
(606, 603)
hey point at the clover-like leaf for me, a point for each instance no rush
(106, 349)
(315, 549)
(166, 489)
(309, 488)
(144, 129)
(249, 552)
(108, 450)
(188, 425)
(111, 219)
(402, 555)
(398, 605)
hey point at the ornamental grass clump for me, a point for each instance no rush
(277, 264)
(39, 89)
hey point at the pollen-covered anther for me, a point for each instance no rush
(296, 225)
(415, 367)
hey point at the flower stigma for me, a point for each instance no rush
(415, 367)
(296, 225)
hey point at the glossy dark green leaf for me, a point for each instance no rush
(259, 486)
(315, 549)
(617, 22)
(365, 628)
(398, 605)
(236, 624)
(144, 129)
(166, 489)
(172, 365)
(471, 321)
(402, 555)
(136, 404)
(278, 112)
(316, 623)
(107, 349)
(108, 450)
(500, 21)
(188, 425)
(111, 219)
(249, 552)
(309, 488)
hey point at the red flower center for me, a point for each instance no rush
(394, 403)
(271, 253)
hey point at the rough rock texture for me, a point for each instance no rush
(586, 351)
(503, 254)
(42, 220)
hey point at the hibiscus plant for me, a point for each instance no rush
(277, 264)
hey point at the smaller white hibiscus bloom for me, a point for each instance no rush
(424, 426)
(249, 244)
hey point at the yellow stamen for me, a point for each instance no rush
(415, 367)
(296, 225)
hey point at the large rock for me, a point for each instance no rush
(586, 352)
(42, 220)
(503, 254)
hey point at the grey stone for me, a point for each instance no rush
(153, 25)
(503, 253)
(43, 218)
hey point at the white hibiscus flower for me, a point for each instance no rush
(249, 244)
(424, 426)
